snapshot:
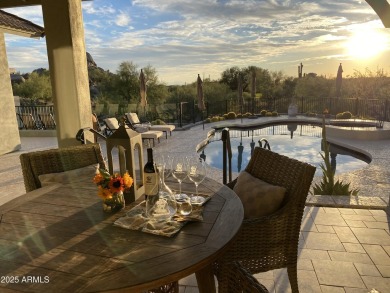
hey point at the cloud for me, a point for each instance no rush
(122, 19)
(182, 37)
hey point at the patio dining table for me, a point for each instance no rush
(59, 239)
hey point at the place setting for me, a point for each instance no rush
(166, 211)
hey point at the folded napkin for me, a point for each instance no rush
(136, 219)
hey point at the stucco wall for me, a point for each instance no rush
(9, 133)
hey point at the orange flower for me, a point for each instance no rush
(127, 180)
(116, 184)
(104, 193)
(98, 178)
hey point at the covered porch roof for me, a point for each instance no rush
(13, 24)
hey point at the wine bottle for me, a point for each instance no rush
(150, 176)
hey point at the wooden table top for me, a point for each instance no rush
(58, 239)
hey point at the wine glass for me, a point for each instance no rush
(196, 173)
(164, 160)
(179, 170)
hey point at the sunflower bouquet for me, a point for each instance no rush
(111, 187)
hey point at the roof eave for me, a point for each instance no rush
(23, 33)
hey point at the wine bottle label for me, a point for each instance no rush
(151, 184)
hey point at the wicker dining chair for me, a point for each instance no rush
(242, 281)
(58, 160)
(271, 242)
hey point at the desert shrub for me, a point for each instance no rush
(222, 118)
(328, 186)
(268, 114)
(339, 115)
(231, 115)
(225, 116)
(310, 114)
(158, 122)
(247, 114)
(208, 120)
(263, 112)
(274, 113)
(215, 119)
(347, 115)
(239, 115)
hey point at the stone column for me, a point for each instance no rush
(9, 133)
(68, 68)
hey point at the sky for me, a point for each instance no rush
(183, 38)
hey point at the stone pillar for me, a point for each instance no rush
(9, 133)
(68, 68)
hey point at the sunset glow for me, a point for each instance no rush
(366, 44)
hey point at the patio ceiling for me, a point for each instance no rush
(13, 24)
(21, 3)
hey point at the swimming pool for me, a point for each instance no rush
(302, 142)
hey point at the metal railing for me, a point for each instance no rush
(185, 113)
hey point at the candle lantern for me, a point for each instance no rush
(129, 146)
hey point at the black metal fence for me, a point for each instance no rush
(185, 113)
(365, 108)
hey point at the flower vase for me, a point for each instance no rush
(115, 203)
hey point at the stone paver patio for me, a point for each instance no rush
(341, 249)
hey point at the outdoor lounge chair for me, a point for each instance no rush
(58, 160)
(47, 121)
(241, 281)
(271, 242)
(28, 121)
(112, 125)
(134, 122)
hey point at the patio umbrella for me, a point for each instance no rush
(142, 90)
(200, 96)
(253, 90)
(339, 80)
(239, 94)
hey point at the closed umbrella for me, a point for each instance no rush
(199, 88)
(253, 91)
(339, 80)
(142, 90)
(239, 93)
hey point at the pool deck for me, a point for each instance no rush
(340, 250)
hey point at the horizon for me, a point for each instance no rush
(181, 39)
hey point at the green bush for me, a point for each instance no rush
(310, 114)
(347, 115)
(247, 114)
(208, 120)
(221, 118)
(268, 114)
(225, 116)
(263, 112)
(231, 115)
(158, 122)
(215, 119)
(274, 113)
(239, 115)
(344, 115)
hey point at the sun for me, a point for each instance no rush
(365, 44)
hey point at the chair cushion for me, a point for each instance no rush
(259, 198)
(133, 118)
(166, 127)
(84, 174)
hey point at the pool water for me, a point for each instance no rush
(302, 142)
